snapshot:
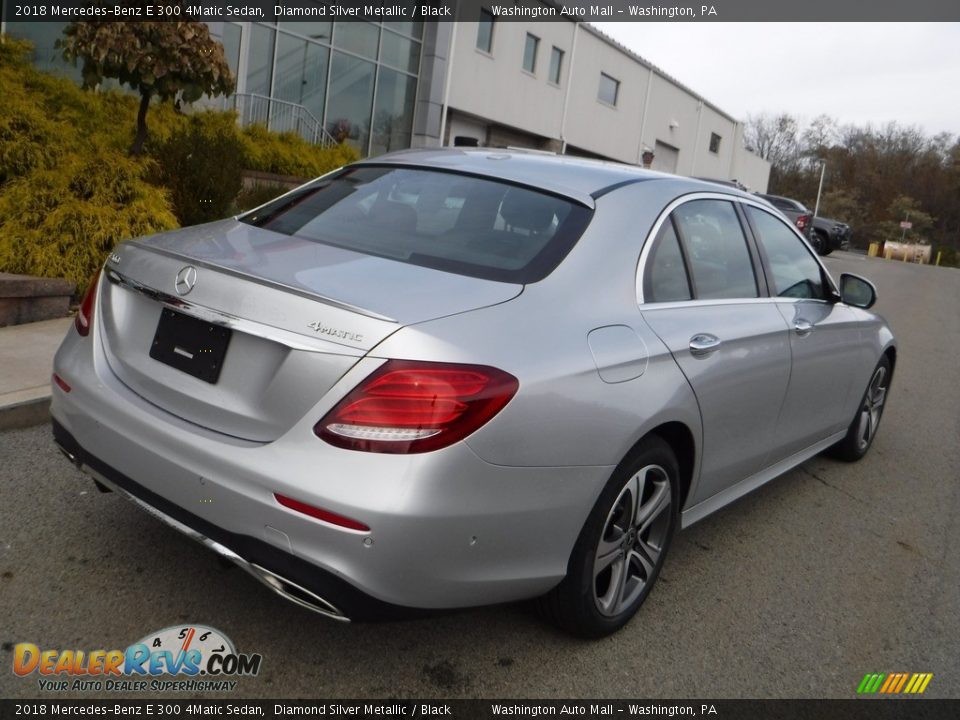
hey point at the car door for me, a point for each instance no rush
(704, 296)
(824, 336)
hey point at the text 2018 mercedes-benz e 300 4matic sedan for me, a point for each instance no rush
(444, 378)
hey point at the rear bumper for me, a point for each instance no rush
(448, 530)
(285, 574)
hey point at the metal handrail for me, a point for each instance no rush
(281, 115)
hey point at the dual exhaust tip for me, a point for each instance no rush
(280, 585)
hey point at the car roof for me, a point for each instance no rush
(580, 179)
(779, 197)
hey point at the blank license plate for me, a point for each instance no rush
(194, 346)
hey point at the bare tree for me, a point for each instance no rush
(774, 138)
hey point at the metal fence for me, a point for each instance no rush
(281, 116)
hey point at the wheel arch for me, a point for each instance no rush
(680, 439)
(891, 354)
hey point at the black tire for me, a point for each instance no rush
(819, 242)
(863, 427)
(593, 604)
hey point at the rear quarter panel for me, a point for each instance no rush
(564, 413)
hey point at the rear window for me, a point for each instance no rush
(457, 223)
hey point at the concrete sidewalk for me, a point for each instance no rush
(26, 362)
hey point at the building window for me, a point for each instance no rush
(609, 89)
(485, 31)
(556, 65)
(530, 53)
(714, 143)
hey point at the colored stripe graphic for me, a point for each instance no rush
(903, 680)
(894, 683)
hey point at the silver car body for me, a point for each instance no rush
(493, 517)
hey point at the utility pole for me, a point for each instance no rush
(823, 167)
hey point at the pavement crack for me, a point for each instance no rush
(830, 485)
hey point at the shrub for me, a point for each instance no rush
(289, 154)
(61, 222)
(68, 193)
(200, 162)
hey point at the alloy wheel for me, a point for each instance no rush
(872, 408)
(634, 536)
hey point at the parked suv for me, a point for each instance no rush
(824, 234)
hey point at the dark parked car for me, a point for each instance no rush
(824, 234)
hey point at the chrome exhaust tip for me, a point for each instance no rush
(284, 587)
(68, 455)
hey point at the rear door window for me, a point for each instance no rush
(448, 221)
(716, 250)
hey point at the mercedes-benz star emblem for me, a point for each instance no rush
(186, 279)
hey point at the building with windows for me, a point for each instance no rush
(553, 86)
(567, 87)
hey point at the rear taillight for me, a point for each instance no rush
(414, 407)
(85, 314)
(802, 221)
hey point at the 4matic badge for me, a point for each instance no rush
(321, 329)
(190, 650)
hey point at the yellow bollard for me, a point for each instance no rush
(888, 253)
(873, 250)
(939, 253)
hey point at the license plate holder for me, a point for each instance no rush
(190, 345)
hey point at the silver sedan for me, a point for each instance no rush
(441, 379)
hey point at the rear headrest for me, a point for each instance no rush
(528, 210)
(397, 216)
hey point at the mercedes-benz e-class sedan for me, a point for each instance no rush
(440, 379)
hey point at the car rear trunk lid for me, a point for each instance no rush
(299, 315)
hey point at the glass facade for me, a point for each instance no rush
(357, 79)
(46, 56)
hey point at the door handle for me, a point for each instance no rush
(702, 344)
(803, 327)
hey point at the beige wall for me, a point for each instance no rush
(494, 88)
(594, 125)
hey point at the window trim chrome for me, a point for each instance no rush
(648, 241)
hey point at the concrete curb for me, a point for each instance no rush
(35, 411)
(26, 361)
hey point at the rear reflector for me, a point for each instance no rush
(85, 313)
(61, 383)
(413, 407)
(321, 514)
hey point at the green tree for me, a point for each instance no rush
(167, 60)
(902, 208)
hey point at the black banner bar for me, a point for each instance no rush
(503, 10)
(860, 709)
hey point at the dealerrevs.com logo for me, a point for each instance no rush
(204, 655)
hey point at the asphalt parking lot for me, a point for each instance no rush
(798, 590)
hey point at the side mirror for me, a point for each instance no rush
(857, 291)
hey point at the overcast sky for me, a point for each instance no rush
(855, 72)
